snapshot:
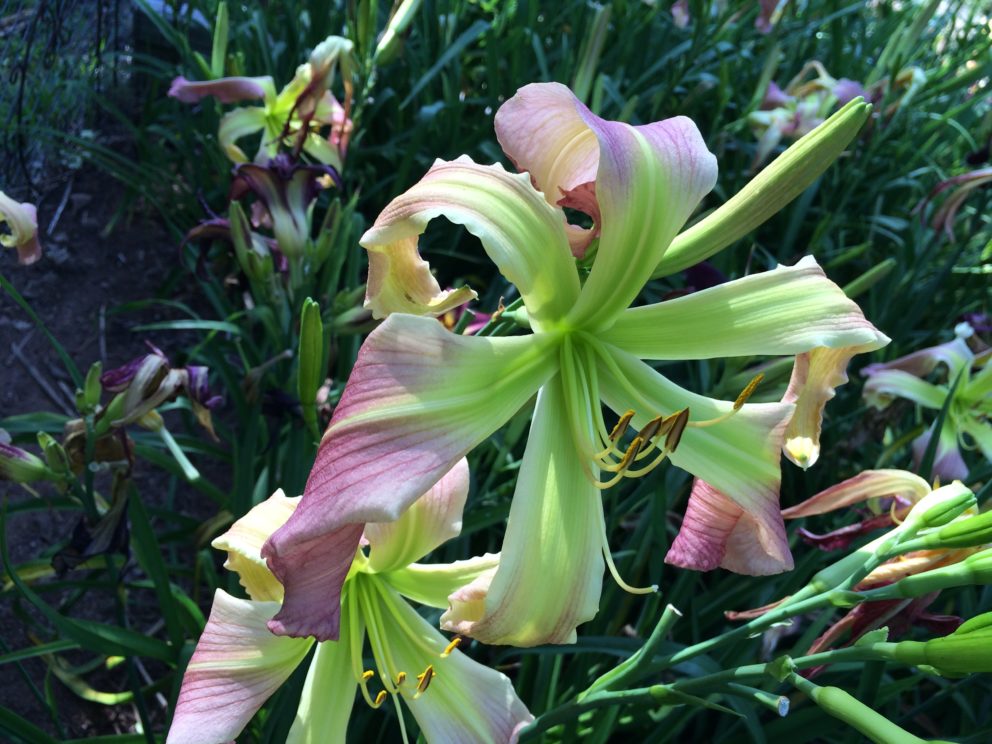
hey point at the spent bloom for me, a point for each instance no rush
(967, 422)
(238, 663)
(420, 397)
(19, 229)
(964, 185)
(294, 116)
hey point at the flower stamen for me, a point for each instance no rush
(455, 642)
(424, 681)
(738, 404)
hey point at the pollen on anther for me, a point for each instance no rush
(400, 678)
(380, 698)
(424, 680)
(455, 642)
(748, 391)
(367, 675)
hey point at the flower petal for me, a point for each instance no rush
(815, 375)
(955, 355)
(948, 465)
(738, 457)
(401, 281)
(225, 90)
(419, 398)
(553, 539)
(431, 520)
(243, 543)
(650, 179)
(237, 665)
(465, 701)
(521, 233)
(328, 695)
(237, 124)
(22, 222)
(868, 484)
(432, 583)
(788, 310)
(716, 532)
(885, 384)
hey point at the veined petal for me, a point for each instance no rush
(328, 695)
(948, 465)
(22, 222)
(225, 90)
(979, 430)
(650, 179)
(717, 532)
(884, 385)
(521, 233)
(868, 484)
(237, 124)
(815, 375)
(237, 665)
(738, 457)
(788, 310)
(243, 543)
(418, 399)
(465, 702)
(431, 520)
(553, 539)
(954, 354)
(432, 583)
(401, 281)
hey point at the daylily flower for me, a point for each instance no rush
(798, 109)
(148, 381)
(295, 116)
(967, 421)
(420, 397)
(21, 231)
(238, 663)
(966, 183)
(286, 192)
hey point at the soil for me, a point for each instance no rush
(75, 288)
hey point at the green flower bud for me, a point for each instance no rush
(965, 651)
(310, 374)
(88, 398)
(21, 466)
(939, 507)
(55, 454)
(964, 533)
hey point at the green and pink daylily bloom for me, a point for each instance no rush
(967, 421)
(238, 663)
(420, 397)
(295, 115)
(21, 231)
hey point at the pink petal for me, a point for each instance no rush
(418, 399)
(716, 532)
(948, 465)
(236, 667)
(954, 354)
(865, 485)
(225, 90)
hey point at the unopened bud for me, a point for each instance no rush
(939, 507)
(88, 398)
(964, 533)
(55, 454)
(21, 466)
(965, 651)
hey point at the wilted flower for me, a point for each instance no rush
(238, 663)
(21, 232)
(420, 397)
(967, 422)
(295, 116)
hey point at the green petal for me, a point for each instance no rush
(739, 457)
(236, 124)
(328, 694)
(881, 387)
(553, 539)
(520, 231)
(432, 583)
(786, 311)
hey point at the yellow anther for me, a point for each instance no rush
(424, 680)
(748, 390)
(621, 428)
(367, 675)
(400, 678)
(936, 482)
(455, 642)
(380, 698)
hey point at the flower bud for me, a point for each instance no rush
(88, 398)
(965, 651)
(310, 373)
(21, 466)
(55, 454)
(939, 507)
(963, 533)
